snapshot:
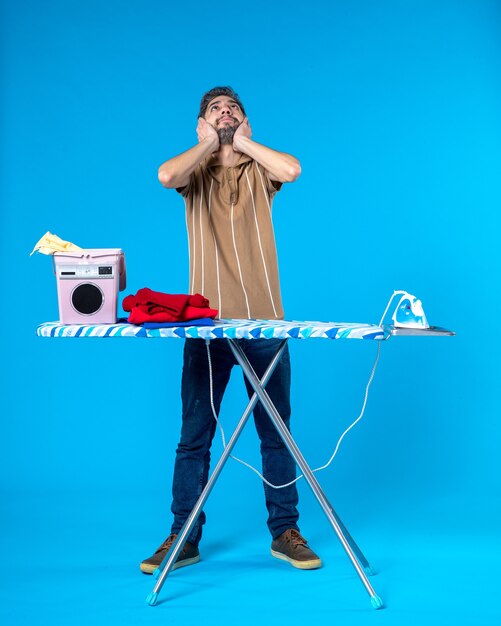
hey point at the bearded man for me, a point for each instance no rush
(228, 182)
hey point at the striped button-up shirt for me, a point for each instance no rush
(233, 257)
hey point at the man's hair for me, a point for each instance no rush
(218, 91)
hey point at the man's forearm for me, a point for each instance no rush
(282, 166)
(176, 171)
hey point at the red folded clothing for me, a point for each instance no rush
(154, 306)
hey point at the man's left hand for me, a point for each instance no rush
(244, 130)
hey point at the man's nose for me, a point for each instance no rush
(225, 110)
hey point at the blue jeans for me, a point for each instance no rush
(191, 468)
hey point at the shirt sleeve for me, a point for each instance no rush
(272, 186)
(185, 191)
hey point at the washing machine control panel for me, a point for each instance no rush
(86, 271)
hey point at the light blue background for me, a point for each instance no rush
(393, 110)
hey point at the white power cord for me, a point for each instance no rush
(318, 469)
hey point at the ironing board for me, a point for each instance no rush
(222, 329)
(232, 330)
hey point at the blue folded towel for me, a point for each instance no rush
(204, 321)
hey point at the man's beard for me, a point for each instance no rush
(226, 134)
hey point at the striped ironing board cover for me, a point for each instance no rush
(223, 329)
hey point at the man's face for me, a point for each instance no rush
(225, 115)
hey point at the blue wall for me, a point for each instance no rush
(392, 109)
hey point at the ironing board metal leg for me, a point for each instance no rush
(304, 467)
(358, 552)
(173, 553)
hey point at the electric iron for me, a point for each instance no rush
(408, 312)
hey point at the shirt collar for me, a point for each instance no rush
(212, 160)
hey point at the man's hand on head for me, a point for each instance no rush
(207, 131)
(244, 130)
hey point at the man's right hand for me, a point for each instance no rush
(176, 172)
(207, 131)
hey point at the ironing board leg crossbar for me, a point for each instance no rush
(354, 553)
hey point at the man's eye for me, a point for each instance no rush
(235, 106)
(214, 106)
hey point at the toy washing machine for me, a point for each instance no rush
(88, 282)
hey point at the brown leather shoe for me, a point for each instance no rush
(189, 555)
(292, 547)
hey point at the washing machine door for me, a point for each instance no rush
(87, 298)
